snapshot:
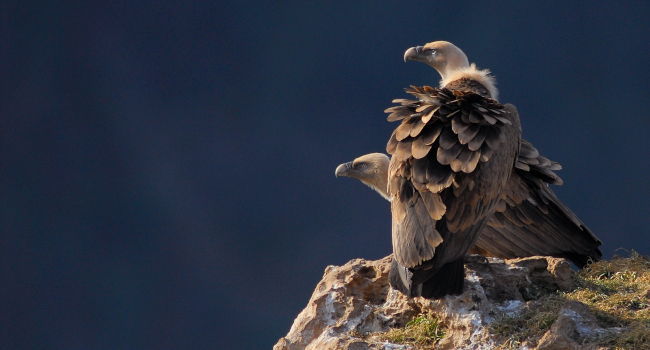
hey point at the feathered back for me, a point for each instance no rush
(443, 136)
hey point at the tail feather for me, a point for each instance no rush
(448, 280)
(400, 278)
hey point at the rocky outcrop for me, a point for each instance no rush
(353, 305)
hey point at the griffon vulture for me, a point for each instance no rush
(452, 156)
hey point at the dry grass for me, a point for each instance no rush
(617, 292)
(530, 323)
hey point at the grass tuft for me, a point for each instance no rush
(422, 330)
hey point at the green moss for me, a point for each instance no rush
(422, 330)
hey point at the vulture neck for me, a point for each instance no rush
(470, 78)
(379, 184)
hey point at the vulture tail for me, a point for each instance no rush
(400, 278)
(448, 280)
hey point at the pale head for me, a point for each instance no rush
(371, 169)
(443, 56)
(452, 64)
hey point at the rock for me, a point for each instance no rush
(343, 302)
(575, 328)
(353, 303)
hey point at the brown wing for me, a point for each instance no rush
(531, 220)
(532, 164)
(442, 140)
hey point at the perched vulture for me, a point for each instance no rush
(537, 223)
(452, 155)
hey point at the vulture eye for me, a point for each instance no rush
(433, 52)
(361, 165)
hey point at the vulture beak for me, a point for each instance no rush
(413, 54)
(343, 169)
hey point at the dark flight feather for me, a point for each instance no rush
(441, 150)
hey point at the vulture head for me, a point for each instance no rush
(371, 169)
(442, 56)
(451, 63)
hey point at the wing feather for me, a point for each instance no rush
(442, 135)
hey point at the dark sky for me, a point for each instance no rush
(166, 167)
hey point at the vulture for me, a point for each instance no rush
(461, 175)
(452, 155)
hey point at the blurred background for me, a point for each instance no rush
(167, 167)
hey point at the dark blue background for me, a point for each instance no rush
(166, 175)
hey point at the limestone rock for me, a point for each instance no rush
(353, 303)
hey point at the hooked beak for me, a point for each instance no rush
(343, 169)
(413, 54)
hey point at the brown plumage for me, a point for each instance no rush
(451, 177)
(529, 219)
(444, 181)
(452, 155)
